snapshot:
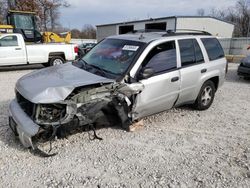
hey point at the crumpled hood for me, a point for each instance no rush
(54, 84)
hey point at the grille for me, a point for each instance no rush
(27, 106)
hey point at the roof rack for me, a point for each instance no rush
(185, 32)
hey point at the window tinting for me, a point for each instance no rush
(187, 52)
(213, 47)
(162, 58)
(8, 41)
(190, 52)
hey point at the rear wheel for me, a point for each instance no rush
(57, 60)
(206, 96)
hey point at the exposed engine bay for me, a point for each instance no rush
(85, 109)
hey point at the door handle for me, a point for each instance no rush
(175, 79)
(203, 70)
(18, 48)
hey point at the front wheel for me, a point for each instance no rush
(206, 96)
(56, 61)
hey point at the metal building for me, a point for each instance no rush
(212, 25)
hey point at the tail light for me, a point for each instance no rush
(76, 49)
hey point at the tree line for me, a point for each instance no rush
(48, 15)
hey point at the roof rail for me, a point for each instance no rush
(147, 31)
(185, 32)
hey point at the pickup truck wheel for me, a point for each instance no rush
(56, 61)
(206, 96)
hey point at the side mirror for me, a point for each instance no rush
(146, 73)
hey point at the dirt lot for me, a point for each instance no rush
(177, 148)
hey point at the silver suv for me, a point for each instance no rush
(121, 80)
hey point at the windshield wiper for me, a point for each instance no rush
(103, 71)
(84, 63)
(98, 68)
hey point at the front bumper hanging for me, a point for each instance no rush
(22, 125)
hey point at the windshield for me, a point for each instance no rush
(24, 21)
(113, 55)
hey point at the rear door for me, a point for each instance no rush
(192, 67)
(11, 51)
(162, 89)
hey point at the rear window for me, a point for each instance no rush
(190, 52)
(8, 41)
(213, 47)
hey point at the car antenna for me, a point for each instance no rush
(141, 37)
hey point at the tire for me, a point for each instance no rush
(206, 96)
(57, 60)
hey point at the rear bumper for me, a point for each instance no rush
(22, 125)
(244, 71)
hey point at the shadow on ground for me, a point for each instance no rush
(20, 67)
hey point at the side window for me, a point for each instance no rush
(8, 41)
(190, 52)
(213, 47)
(162, 58)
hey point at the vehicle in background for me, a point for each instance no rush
(25, 23)
(244, 67)
(121, 80)
(84, 48)
(14, 51)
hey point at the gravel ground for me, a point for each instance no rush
(177, 148)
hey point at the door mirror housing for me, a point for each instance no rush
(146, 72)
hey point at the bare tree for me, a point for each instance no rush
(238, 14)
(47, 10)
(50, 12)
(3, 8)
(88, 32)
(243, 15)
(23, 5)
(201, 12)
(76, 33)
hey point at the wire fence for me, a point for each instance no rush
(235, 46)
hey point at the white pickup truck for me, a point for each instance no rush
(14, 51)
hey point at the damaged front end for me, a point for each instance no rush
(84, 109)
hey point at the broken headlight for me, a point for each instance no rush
(50, 113)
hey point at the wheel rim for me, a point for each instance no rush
(57, 62)
(206, 96)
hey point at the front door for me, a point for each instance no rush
(161, 90)
(11, 53)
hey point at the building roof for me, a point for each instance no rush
(162, 18)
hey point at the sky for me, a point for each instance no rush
(96, 12)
